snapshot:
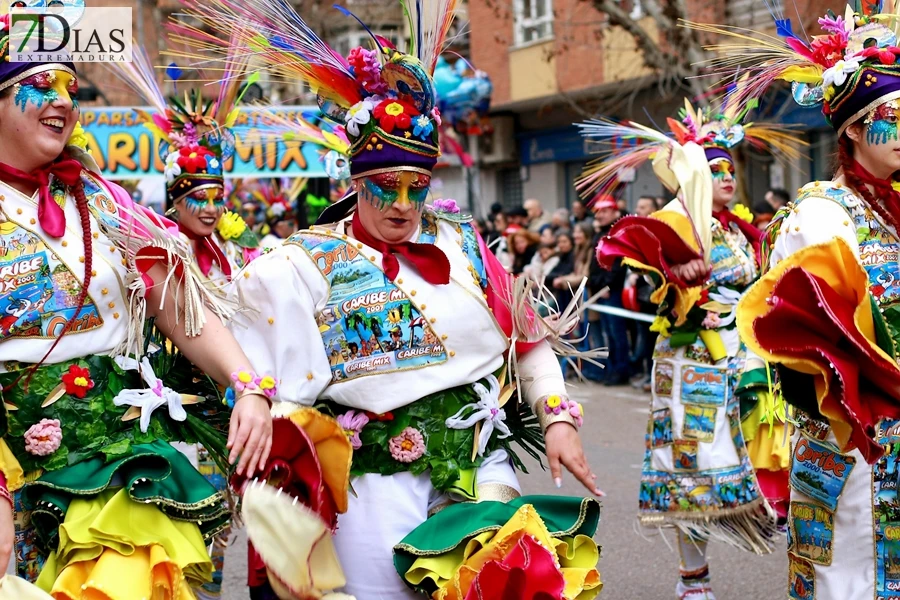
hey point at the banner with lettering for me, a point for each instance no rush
(125, 149)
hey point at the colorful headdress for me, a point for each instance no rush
(384, 98)
(850, 70)
(279, 197)
(12, 73)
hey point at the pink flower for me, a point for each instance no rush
(367, 69)
(448, 206)
(408, 446)
(711, 321)
(436, 115)
(43, 438)
(352, 423)
(577, 412)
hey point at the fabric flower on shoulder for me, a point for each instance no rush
(742, 212)
(447, 205)
(393, 114)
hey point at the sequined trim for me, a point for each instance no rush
(34, 71)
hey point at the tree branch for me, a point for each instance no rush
(653, 55)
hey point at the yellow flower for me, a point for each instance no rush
(394, 109)
(661, 325)
(553, 401)
(245, 377)
(78, 138)
(742, 212)
(231, 225)
(267, 383)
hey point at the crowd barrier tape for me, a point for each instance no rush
(621, 312)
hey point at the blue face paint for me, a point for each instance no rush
(46, 87)
(881, 124)
(383, 189)
(29, 93)
(200, 199)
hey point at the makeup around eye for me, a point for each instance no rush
(882, 124)
(199, 200)
(720, 168)
(45, 87)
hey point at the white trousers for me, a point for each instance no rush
(384, 510)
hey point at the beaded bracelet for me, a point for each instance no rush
(556, 408)
(245, 381)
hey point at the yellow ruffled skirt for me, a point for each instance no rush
(113, 548)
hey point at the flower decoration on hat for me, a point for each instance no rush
(848, 69)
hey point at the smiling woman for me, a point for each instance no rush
(79, 396)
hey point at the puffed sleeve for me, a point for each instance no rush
(283, 292)
(814, 221)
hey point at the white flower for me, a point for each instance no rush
(277, 209)
(359, 114)
(213, 163)
(837, 74)
(173, 169)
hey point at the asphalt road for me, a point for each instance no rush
(633, 565)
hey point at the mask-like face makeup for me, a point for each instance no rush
(213, 197)
(199, 212)
(402, 187)
(881, 124)
(46, 87)
(720, 168)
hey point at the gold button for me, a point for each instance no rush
(444, 337)
(18, 211)
(271, 320)
(124, 263)
(115, 315)
(452, 353)
(81, 259)
(372, 258)
(104, 291)
(400, 280)
(846, 223)
(93, 273)
(32, 221)
(309, 376)
(432, 320)
(359, 246)
(112, 249)
(96, 235)
(412, 293)
(246, 274)
(112, 304)
(796, 229)
(65, 243)
(423, 307)
(2, 197)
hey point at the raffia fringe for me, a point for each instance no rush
(750, 527)
(138, 233)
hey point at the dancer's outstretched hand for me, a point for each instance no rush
(250, 433)
(564, 448)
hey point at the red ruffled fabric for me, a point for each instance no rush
(527, 572)
(811, 321)
(294, 467)
(650, 242)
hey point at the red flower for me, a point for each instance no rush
(193, 158)
(828, 49)
(77, 381)
(886, 56)
(394, 113)
(388, 416)
(704, 297)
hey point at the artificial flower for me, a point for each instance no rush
(229, 398)
(77, 381)
(742, 212)
(267, 385)
(388, 416)
(711, 321)
(277, 209)
(231, 226)
(352, 423)
(241, 379)
(577, 412)
(190, 133)
(837, 75)
(436, 115)
(78, 138)
(661, 326)
(447, 205)
(214, 163)
(43, 438)
(359, 114)
(173, 169)
(834, 25)
(193, 158)
(828, 50)
(367, 68)
(555, 404)
(392, 114)
(886, 56)
(423, 127)
(408, 446)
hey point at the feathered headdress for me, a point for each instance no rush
(278, 197)
(849, 70)
(384, 98)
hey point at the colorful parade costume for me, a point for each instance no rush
(106, 508)
(824, 313)
(409, 345)
(697, 473)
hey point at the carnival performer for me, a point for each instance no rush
(401, 325)
(697, 474)
(108, 509)
(280, 200)
(825, 313)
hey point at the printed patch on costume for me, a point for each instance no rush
(887, 558)
(368, 325)
(29, 560)
(880, 262)
(704, 385)
(735, 487)
(820, 471)
(684, 453)
(812, 532)
(801, 579)
(663, 349)
(731, 258)
(698, 352)
(886, 512)
(38, 292)
(654, 494)
(699, 423)
(661, 428)
(817, 430)
(734, 423)
(663, 378)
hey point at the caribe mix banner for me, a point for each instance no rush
(125, 149)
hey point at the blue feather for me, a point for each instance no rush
(364, 26)
(783, 28)
(173, 72)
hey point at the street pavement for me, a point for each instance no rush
(635, 565)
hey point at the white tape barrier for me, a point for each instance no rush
(621, 312)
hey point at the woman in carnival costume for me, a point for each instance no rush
(401, 324)
(106, 508)
(825, 313)
(697, 474)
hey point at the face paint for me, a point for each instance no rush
(197, 201)
(382, 190)
(720, 168)
(881, 124)
(47, 86)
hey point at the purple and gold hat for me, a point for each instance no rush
(12, 73)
